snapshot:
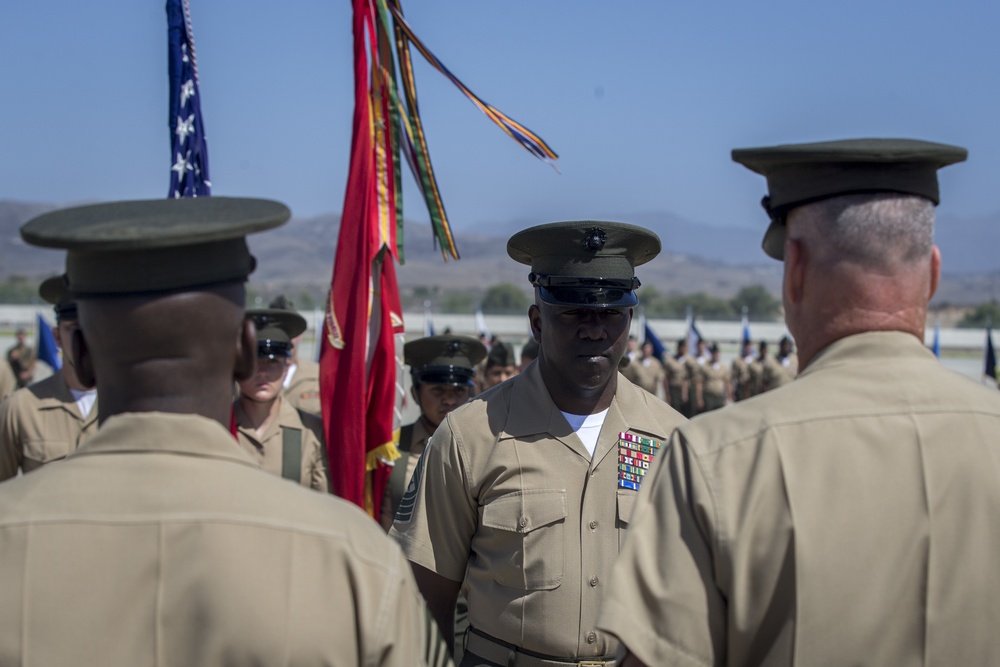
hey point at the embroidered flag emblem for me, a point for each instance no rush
(635, 454)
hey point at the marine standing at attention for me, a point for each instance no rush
(47, 420)
(525, 493)
(442, 375)
(848, 517)
(159, 541)
(283, 439)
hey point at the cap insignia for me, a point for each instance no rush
(594, 239)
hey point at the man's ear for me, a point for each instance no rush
(81, 361)
(535, 322)
(935, 271)
(795, 270)
(246, 352)
(415, 394)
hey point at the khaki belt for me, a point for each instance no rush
(492, 649)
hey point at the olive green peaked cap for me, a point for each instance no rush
(586, 262)
(501, 354)
(55, 290)
(444, 359)
(799, 174)
(159, 245)
(275, 330)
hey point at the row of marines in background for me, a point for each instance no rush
(701, 382)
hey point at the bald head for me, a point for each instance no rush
(858, 263)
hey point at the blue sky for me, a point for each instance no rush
(642, 100)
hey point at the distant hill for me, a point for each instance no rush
(697, 257)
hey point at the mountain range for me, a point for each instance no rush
(697, 257)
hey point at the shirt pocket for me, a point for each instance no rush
(626, 503)
(40, 450)
(522, 539)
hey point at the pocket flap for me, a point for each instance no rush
(523, 512)
(626, 502)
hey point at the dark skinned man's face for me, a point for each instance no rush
(582, 345)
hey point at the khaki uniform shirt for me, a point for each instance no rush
(646, 373)
(418, 442)
(742, 378)
(303, 391)
(8, 383)
(507, 498)
(267, 450)
(159, 542)
(675, 370)
(778, 372)
(714, 378)
(39, 424)
(849, 518)
(22, 361)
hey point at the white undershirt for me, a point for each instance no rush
(587, 427)
(84, 400)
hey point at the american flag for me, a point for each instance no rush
(188, 150)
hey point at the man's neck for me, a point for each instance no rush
(258, 415)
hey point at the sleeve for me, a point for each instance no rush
(11, 451)
(407, 635)
(663, 602)
(438, 515)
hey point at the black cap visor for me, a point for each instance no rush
(588, 292)
(456, 376)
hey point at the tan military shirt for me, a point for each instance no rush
(778, 372)
(39, 424)
(303, 390)
(676, 373)
(849, 518)
(159, 542)
(741, 377)
(714, 379)
(418, 442)
(646, 373)
(507, 497)
(8, 383)
(267, 450)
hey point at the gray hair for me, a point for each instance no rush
(879, 230)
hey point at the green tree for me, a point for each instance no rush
(458, 302)
(505, 299)
(19, 290)
(981, 315)
(760, 303)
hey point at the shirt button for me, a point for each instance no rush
(523, 521)
(593, 525)
(592, 637)
(593, 580)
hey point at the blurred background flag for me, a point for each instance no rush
(693, 335)
(649, 336)
(48, 351)
(746, 326)
(990, 361)
(428, 319)
(188, 150)
(481, 323)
